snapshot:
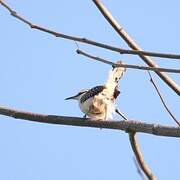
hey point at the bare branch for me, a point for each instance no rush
(134, 45)
(88, 41)
(136, 148)
(127, 126)
(139, 169)
(139, 157)
(162, 100)
(127, 65)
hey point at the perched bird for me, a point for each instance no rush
(99, 101)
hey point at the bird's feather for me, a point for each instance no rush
(114, 75)
(91, 93)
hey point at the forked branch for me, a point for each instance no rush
(133, 45)
(130, 66)
(119, 29)
(88, 41)
(139, 156)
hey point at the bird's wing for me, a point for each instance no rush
(92, 92)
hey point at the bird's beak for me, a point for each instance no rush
(72, 97)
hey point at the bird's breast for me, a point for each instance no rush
(97, 107)
(85, 106)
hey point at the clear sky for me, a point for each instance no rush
(38, 71)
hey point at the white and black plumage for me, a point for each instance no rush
(99, 101)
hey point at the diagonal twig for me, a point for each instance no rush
(136, 149)
(139, 169)
(139, 156)
(127, 65)
(132, 44)
(88, 41)
(162, 99)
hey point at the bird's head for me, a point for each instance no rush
(78, 96)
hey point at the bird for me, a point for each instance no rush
(98, 103)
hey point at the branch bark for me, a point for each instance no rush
(139, 156)
(136, 149)
(132, 44)
(127, 126)
(88, 41)
(139, 171)
(130, 66)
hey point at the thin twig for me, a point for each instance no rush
(76, 44)
(132, 44)
(139, 169)
(127, 126)
(136, 148)
(88, 41)
(127, 65)
(162, 99)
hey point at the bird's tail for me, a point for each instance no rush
(114, 75)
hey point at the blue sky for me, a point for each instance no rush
(38, 71)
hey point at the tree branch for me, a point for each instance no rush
(162, 99)
(139, 171)
(127, 65)
(88, 41)
(136, 148)
(139, 156)
(127, 126)
(134, 45)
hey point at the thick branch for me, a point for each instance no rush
(127, 65)
(88, 41)
(128, 126)
(139, 156)
(134, 45)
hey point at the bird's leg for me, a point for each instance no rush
(85, 116)
(118, 112)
